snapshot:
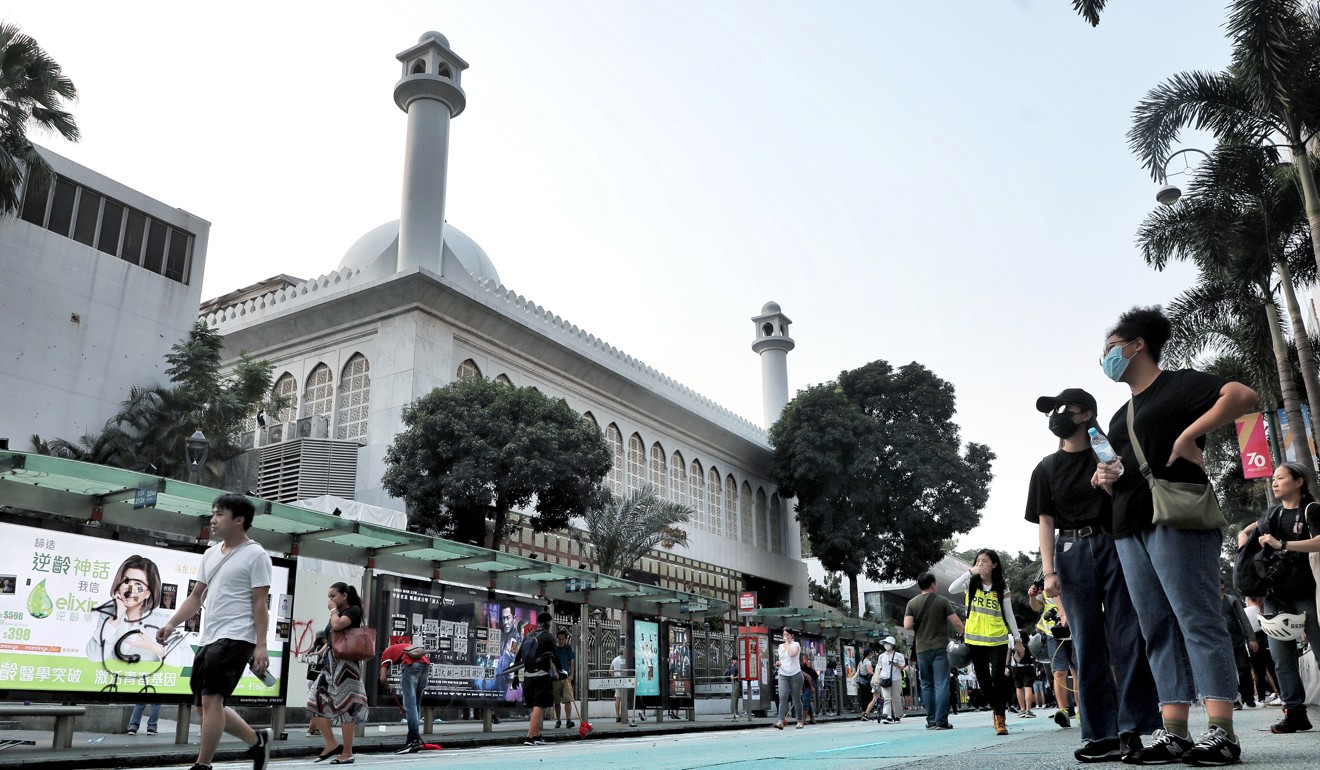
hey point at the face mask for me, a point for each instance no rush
(1062, 424)
(889, 647)
(1114, 363)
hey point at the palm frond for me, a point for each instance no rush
(1089, 10)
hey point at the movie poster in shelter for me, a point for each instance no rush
(79, 614)
(850, 668)
(680, 661)
(470, 641)
(646, 657)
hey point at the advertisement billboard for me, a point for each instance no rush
(646, 657)
(850, 669)
(1257, 463)
(680, 662)
(79, 615)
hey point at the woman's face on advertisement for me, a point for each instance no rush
(133, 590)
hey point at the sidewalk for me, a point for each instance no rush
(160, 750)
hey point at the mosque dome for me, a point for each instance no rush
(383, 242)
(770, 308)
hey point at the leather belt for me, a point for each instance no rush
(1083, 532)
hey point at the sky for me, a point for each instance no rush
(947, 183)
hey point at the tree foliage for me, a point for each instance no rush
(876, 463)
(1089, 10)
(476, 447)
(621, 530)
(148, 432)
(33, 90)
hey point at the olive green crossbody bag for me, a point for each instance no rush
(1178, 504)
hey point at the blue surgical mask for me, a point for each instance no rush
(1114, 363)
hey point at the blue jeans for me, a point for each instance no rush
(1173, 579)
(1115, 691)
(1284, 653)
(411, 689)
(153, 716)
(933, 669)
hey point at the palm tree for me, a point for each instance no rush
(623, 529)
(32, 93)
(1089, 10)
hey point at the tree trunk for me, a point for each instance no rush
(1302, 162)
(852, 595)
(1287, 385)
(497, 531)
(1305, 353)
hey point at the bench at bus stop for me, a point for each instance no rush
(64, 716)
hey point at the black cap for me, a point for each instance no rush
(1074, 396)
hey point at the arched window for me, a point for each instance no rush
(658, 472)
(762, 520)
(285, 387)
(354, 399)
(678, 479)
(697, 494)
(615, 440)
(776, 525)
(319, 393)
(731, 506)
(468, 369)
(503, 379)
(590, 420)
(636, 463)
(746, 517)
(419, 67)
(713, 507)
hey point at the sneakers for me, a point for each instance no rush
(1214, 748)
(1061, 719)
(1272, 700)
(559, 724)
(569, 724)
(151, 731)
(945, 726)
(1130, 743)
(1294, 720)
(1101, 750)
(413, 746)
(200, 766)
(260, 751)
(1166, 748)
(132, 730)
(530, 742)
(1028, 714)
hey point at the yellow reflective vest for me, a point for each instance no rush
(985, 618)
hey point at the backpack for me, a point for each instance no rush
(415, 651)
(1258, 570)
(527, 653)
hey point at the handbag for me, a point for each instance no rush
(354, 644)
(1177, 504)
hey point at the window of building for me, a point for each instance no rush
(354, 399)
(678, 479)
(658, 470)
(61, 207)
(590, 420)
(697, 494)
(762, 520)
(319, 393)
(714, 511)
(176, 256)
(746, 517)
(34, 204)
(287, 388)
(776, 525)
(731, 507)
(615, 440)
(135, 237)
(154, 257)
(503, 379)
(468, 369)
(89, 212)
(112, 221)
(636, 463)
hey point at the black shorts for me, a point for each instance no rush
(218, 666)
(537, 692)
(1024, 676)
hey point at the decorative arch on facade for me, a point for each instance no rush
(714, 508)
(731, 506)
(287, 387)
(590, 419)
(354, 399)
(762, 520)
(503, 379)
(615, 439)
(319, 392)
(776, 524)
(746, 516)
(678, 479)
(659, 471)
(636, 463)
(697, 494)
(467, 370)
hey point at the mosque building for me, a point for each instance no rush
(415, 304)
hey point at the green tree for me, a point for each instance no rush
(32, 95)
(476, 447)
(877, 466)
(148, 432)
(1089, 10)
(621, 530)
(829, 593)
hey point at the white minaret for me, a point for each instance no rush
(772, 343)
(429, 92)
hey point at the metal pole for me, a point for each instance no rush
(583, 679)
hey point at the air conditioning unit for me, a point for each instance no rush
(274, 434)
(313, 426)
(247, 439)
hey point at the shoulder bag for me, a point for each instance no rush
(1177, 504)
(354, 644)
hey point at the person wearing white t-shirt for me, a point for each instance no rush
(234, 578)
(790, 679)
(616, 668)
(890, 665)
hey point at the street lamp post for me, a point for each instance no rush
(198, 446)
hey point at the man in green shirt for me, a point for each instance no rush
(930, 615)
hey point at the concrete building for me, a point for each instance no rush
(415, 304)
(887, 600)
(99, 280)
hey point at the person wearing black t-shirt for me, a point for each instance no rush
(1116, 702)
(1172, 574)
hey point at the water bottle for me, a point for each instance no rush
(1103, 450)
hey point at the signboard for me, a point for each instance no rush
(469, 639)
(747, 603)
(612, 683)
(680, 661)
(646, 657)
(79, 615)
(749, 658)
(1255, 448)
(850, 668)
(144, 498)
(693, 606)
(573, 585)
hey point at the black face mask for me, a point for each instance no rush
(1062, 425)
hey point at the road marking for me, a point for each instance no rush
(849, 748)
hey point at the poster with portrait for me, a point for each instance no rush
(679, 663)
(850, 668)
(646, 657)
(83, 614)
